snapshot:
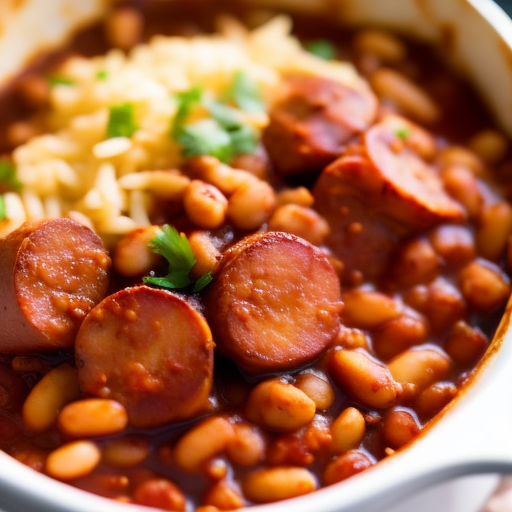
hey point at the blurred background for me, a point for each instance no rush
(506, 5)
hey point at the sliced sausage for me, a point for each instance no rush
(52, 273)
(274, 304)
(313, 121)
(379, 192)
(151, 351)
(408, 189)
(361, 238)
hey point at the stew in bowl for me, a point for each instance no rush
(244, 256)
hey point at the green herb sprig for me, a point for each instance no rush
(175, 248)
(223, 135)
(102, 75)
(3, 209)
(403, 133)
(121, 121)
(8, 175)
(55, 80)
(322, 48)
(245, 93)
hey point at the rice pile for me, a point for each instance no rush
(110, 183)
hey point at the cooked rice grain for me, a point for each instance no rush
(110, 183)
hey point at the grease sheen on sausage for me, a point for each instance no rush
(379, 192)
(409, 190)
(52, 273)
(151, 351)
(274, 304)
(314, 120)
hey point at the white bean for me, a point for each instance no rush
(73, 460)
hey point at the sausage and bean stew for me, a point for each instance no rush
(239, 263)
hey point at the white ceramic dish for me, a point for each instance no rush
(473, 436)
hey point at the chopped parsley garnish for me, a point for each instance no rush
(227, 117)
(54, 80)
(245, 93)
(186, 101)
(102, 74)
(403, 133)
(8, 177)
(321, 48)
(202, 282)
(244, 140)
(121, 122)
(243, 137)
(175, 248)
(3, 210)
(223, 135)
(205, 137)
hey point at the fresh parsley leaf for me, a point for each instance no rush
(102, 74)
(244, 140)
(3, 211)
(54, 80)
(175, 248)
(224, 135)
(243, 137)
(205, 137)
(245, 92)
(403, 133)
(8, 176)
(228, 117)
(321, 48)
(202, 282)
(186, 101)
(121, 122)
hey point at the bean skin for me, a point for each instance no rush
(345, 466)
(400, 427)
(484, 286)
(73, 460)
(368, 381)
(224, 495)
(160, 493)
(280, 406)
(275, 484)
(420, 368)
(92, 417)
(368, 309)
(202, 443)
(247, 448)
(125, 452)
(317, 388)
(44, 403)
(205, 204)
(347, 430)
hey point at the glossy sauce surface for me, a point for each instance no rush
(406, 314)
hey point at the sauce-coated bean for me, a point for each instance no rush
(274, 484)
(73, 460)
(280, 406)
(202, 443)
(367, 380)
(42, 406)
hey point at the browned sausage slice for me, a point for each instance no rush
(379, 192)
(359, 236)
(310, 126)
(407, 188)
(151, 351)
(274, 304)
(52, 273)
